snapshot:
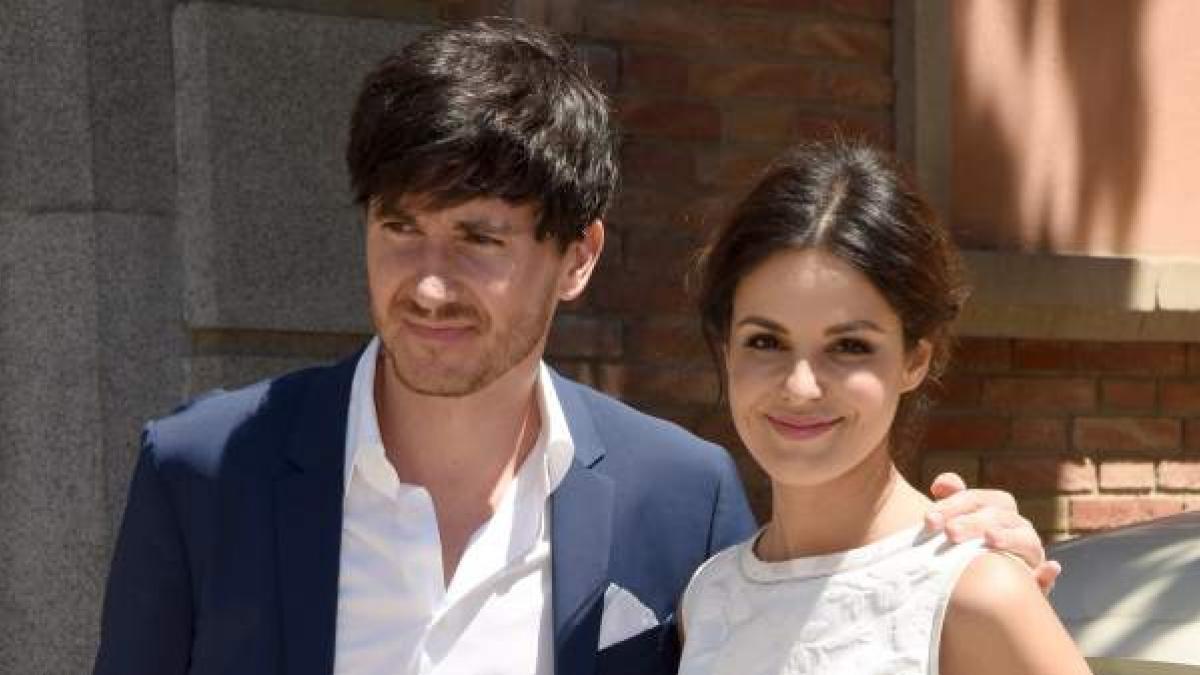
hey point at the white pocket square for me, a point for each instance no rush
(624, 616)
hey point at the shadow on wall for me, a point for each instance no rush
(1050, 143)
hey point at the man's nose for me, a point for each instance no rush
(435, 286)
(433, 291)
(801, 383)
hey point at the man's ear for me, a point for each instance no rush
(581, 257)
(916, 365)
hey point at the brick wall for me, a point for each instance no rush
(1088, 435)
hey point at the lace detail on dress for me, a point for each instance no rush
(869, 611)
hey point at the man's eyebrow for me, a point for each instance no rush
(393, 211)
(483, 224)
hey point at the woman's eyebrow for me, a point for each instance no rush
(854, 326)
(761, 322)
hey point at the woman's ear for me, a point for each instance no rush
(916, 365)
(581, 258)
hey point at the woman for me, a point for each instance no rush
(827, 300)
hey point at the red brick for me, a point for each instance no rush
(1121, 475)
(644, 206)
(932, 466)
(772, 80)
(1127, 394)
(1127, 434)
(759, 121)
(1191, 435)
(1180, 398)
(577, 335)
(1044, 355)
(732, 167)
(1193, 359)
(965, 433)
(663, 386)
(1039, 433)
(1179, 475)
(457, 11)
(623, 289)
(669, 118)
(654, 71)
(749, 34)
(866, 9)
(668, 251)
(650, 23)
(859, 87)
(841, 40)
(958, 392)
(983, 355)
(1098, 513)
(785, 5)
(660, 339)
(778, 121)
(644, 160)
(1049, 515)
(1134, 358)
(1040, 395)
(1040, 474)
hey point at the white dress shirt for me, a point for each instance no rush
(396, 615)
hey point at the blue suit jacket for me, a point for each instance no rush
(227, 559)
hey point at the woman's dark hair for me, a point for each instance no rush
(853, 201)
(495, 108)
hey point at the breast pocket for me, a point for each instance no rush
(652, 652)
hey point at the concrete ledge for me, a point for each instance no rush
(1082, 297)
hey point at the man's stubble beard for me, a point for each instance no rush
(526, 334)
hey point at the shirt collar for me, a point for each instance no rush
(555, 448)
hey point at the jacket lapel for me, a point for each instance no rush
(308, 514)
(581, 538)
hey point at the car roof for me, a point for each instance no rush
(1134, 592)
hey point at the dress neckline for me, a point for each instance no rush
(758, 570)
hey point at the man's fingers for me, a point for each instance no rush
(969, 501)
(947, 484)
(1046, 574)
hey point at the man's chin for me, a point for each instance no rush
(443, 384)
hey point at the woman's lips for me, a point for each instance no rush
(802, 428)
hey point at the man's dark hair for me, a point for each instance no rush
(495, 108)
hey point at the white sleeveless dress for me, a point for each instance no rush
(874, 610)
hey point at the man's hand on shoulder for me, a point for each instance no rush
(992, 514)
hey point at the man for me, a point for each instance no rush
(442, 502)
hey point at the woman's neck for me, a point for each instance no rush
(866, 504)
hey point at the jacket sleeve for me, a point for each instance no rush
(732, 520)
(146, 626)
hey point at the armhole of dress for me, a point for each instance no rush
(963, 554)
(687, 601)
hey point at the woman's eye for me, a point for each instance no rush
(761, 341)
(852, 346)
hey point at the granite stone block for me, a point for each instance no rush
(270, 236)
(55, 530)
(45, 142)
